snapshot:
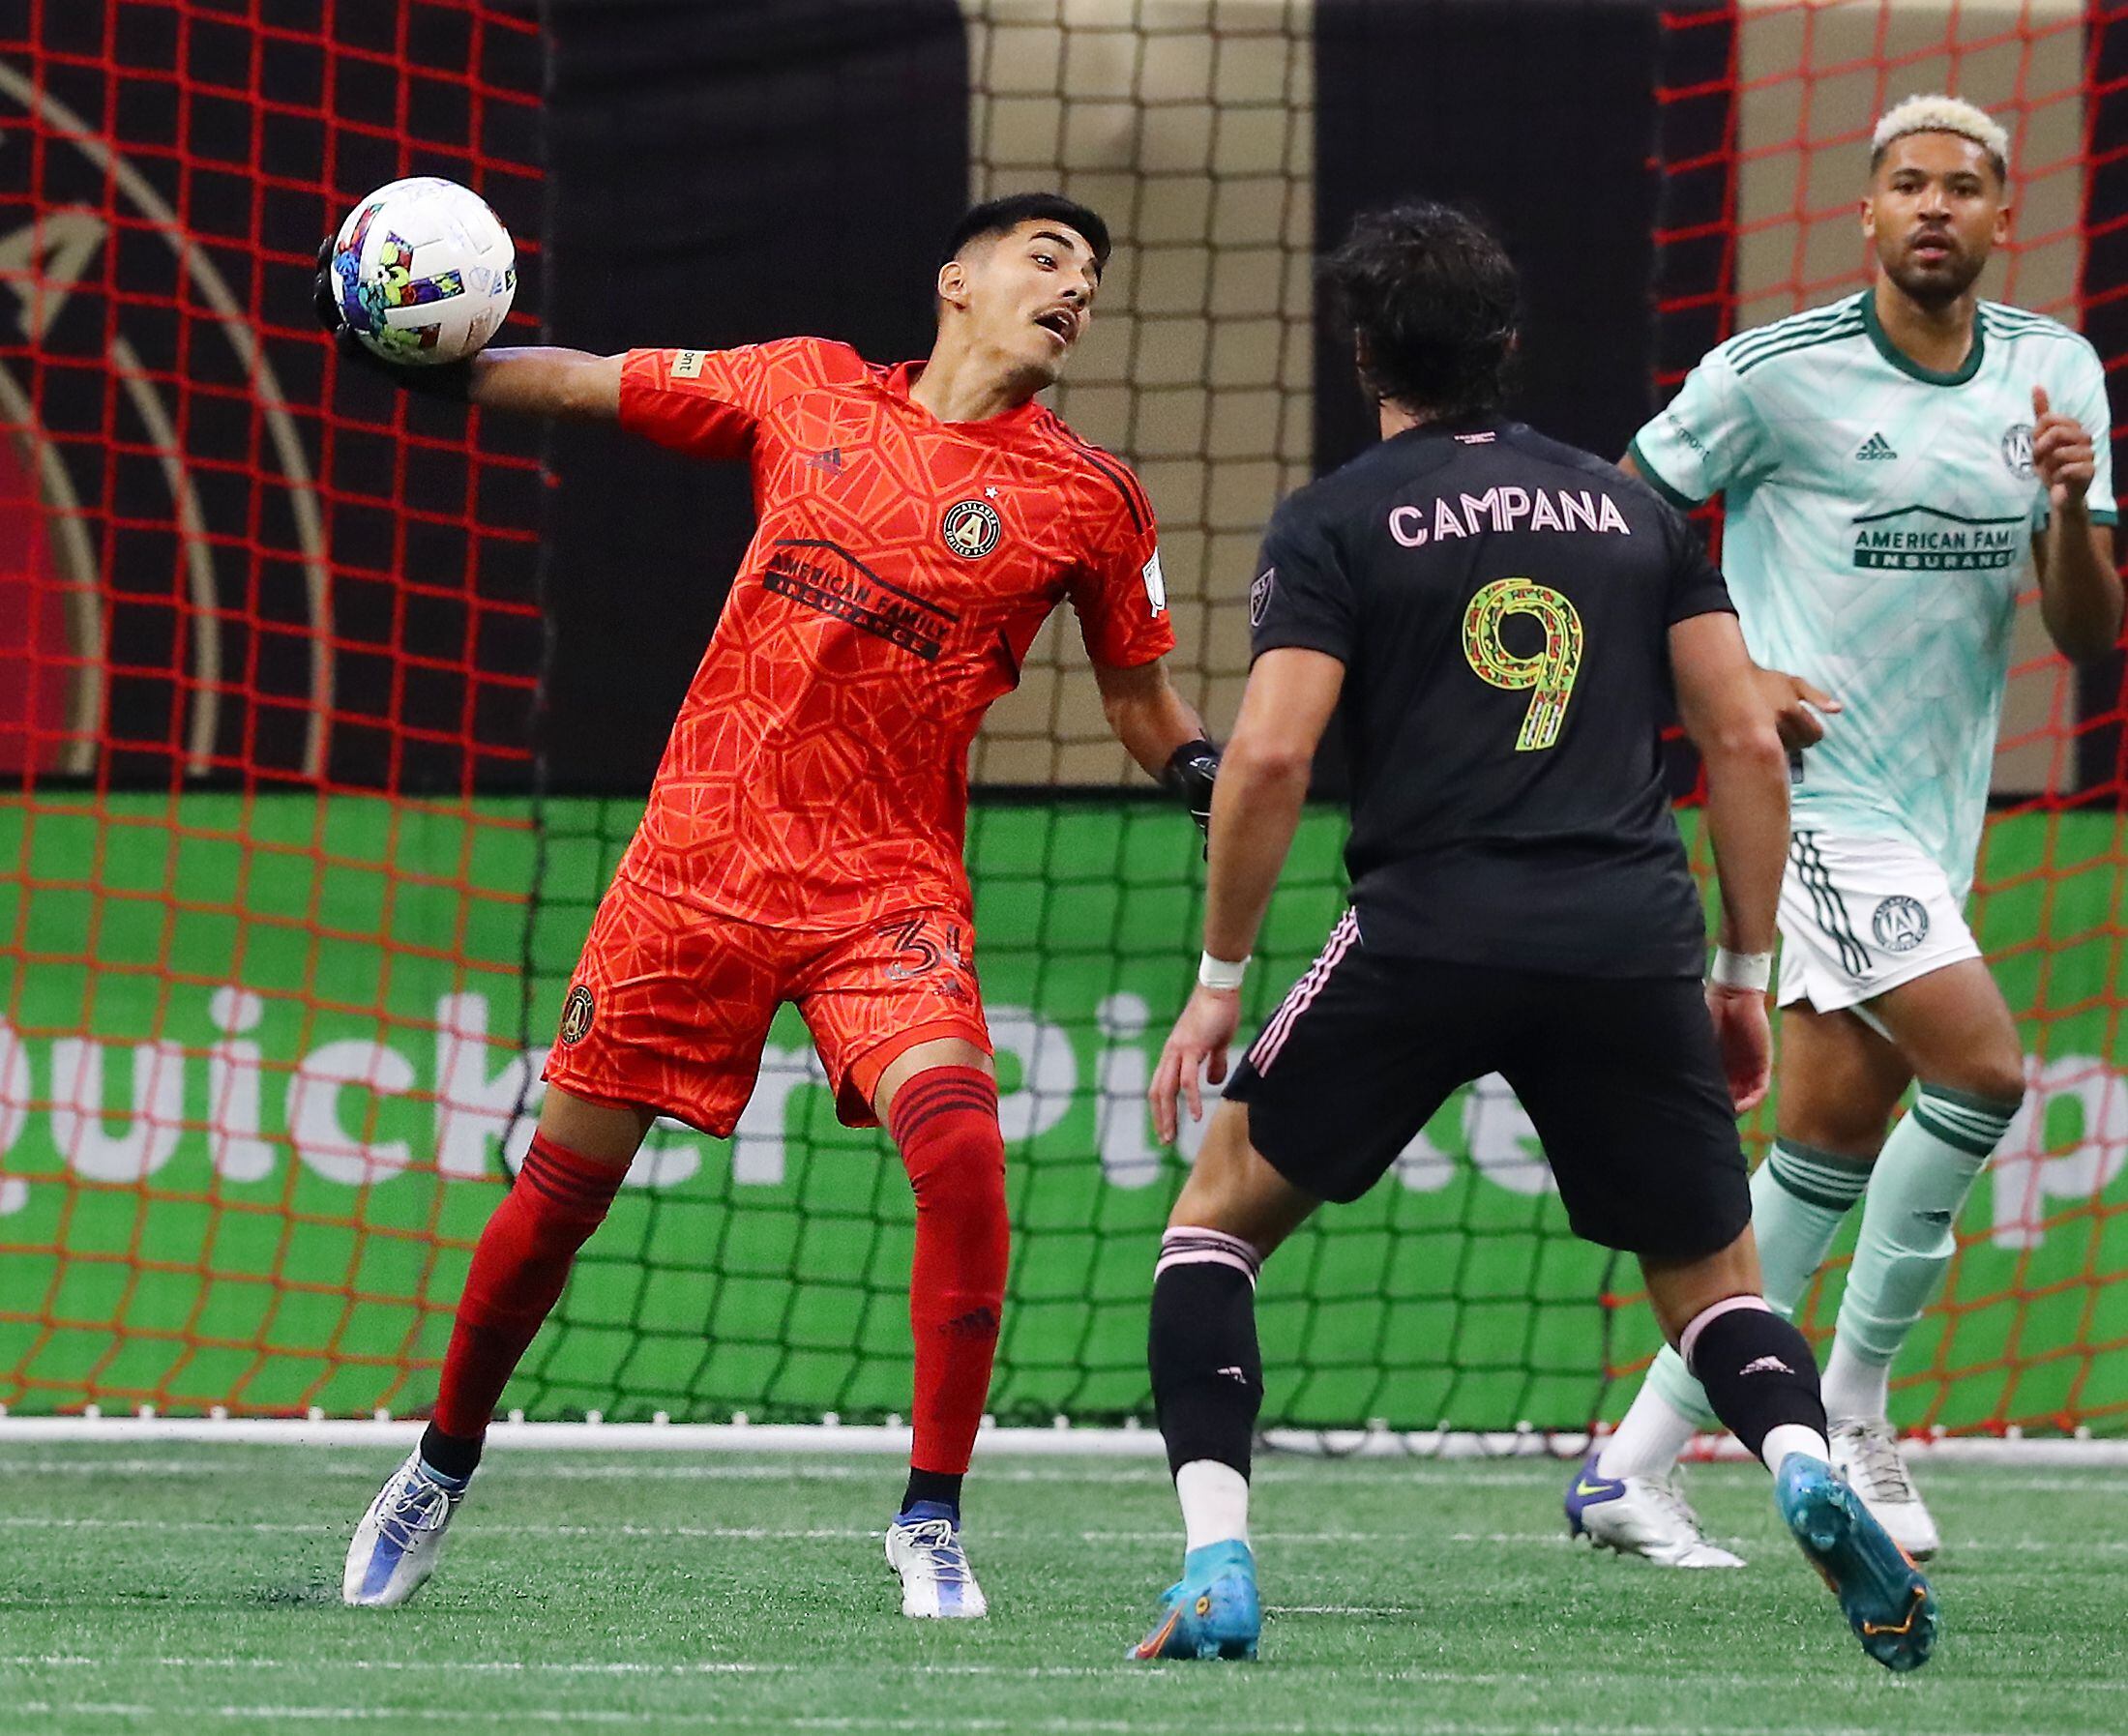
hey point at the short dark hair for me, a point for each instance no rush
(1429, 296)
(1001, 217)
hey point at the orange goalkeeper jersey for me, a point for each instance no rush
(816, 776)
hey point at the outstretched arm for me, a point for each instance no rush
(569, 385)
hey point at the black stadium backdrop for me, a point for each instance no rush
(325, 713)
(614, 169)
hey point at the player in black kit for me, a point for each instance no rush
(1508, 623)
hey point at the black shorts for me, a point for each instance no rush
(1620, 1077)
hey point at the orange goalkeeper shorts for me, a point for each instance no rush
(671, 1006)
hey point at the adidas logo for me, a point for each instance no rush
(1768, 1364)
(831, 459)
(1234, 1374)
(1875, 447)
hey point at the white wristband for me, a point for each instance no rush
(1220, 973)
(1751, 971)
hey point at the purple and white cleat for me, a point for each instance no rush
(1641, 1516)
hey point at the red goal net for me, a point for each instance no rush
(254, 660)
(1767, 111)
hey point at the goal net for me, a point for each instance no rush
(1767, 112)
(288, 902)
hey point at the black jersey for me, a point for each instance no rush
(1501, 604)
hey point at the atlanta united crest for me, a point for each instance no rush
(1900, 923)
(576, 1015)
(972, 528)
(2017, 449)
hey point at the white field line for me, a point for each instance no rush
(1135, 1726)
(606, 1719)
(365, 1462)
(777, 1534)
(2023, 1546)
(2071, 1475)
(629, 1468)
(578, 1667)
(757, 1534)
(1058, 1726)
(352, 1463)
(1123, 1671)
(1048, 1443)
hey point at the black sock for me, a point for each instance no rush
(1207, 1372)
(453, 1454)
(1758, 1372)
(941, 1486)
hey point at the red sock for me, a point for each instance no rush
(945, 1121)
(518, 1269)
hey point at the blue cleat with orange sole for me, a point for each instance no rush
(1883, 1594)
(1214, 1612)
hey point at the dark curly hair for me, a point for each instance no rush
(1428, 295)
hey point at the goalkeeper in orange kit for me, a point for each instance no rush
(803, 841)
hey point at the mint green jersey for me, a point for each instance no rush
(1878, 527)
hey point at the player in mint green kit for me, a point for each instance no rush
(1896, 468)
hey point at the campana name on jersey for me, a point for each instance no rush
(1506, 652)
(1508, 508)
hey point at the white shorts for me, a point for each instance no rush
(1863, 915)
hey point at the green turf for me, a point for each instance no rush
(192, 1589)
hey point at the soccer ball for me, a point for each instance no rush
(423, 271)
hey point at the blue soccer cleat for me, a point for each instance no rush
(1886, 1601)
(395, 1545)
(1213, 1612)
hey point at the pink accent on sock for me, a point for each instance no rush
(1191, 1247)
(1706, 1316)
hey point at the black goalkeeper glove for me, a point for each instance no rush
(1191, 769)
(453, 380)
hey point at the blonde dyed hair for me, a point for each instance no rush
(1939, 113)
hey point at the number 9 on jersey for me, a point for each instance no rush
(1551, 671)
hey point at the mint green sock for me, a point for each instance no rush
(1798, 1197)
(1928, 1166)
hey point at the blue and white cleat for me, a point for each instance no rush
(1213, 1612)
(1641, 1516)
(400, 1538)
(924, 1548)
(1886, 1601)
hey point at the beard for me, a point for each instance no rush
(1934, 285)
